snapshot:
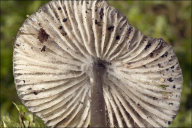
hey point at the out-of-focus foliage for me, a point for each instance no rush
(170, 20)
(26, 119)
(13, 14)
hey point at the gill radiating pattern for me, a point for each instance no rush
(144, 80)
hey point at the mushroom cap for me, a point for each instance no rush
(53, 54)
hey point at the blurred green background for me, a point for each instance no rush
(166, 19)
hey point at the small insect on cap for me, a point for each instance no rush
(53, 53)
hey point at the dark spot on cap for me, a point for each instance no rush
(31, 47)
(43, 48)
(117, 37)
(169, 122)
(17, 45)
(167, 69)
(171, 58)
(59, 8)
(151, 55)
(172, 67)
(86, 12)
(170, 103)
(165, 55)
(138, 104)
(29, 89)
(64, 33)
(129, 30)
(60, 27)
(173, 116)
(65, 20)
(98, 23)
(154, 98)
(173, 86)
(170, 79)
(164, 44)
(144, 66)
(87, 2)
(101, 13)
(35, 93)
(42, 35)
(148, 46)
(129, 63)
(111, 28)
(23, 81)
(159, 65)
(96, 10)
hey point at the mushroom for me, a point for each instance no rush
(77, 62)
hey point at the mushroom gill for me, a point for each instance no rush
(56, 47)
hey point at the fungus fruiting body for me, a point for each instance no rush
(78, 50)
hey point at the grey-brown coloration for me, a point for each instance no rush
(97, 102)
(42, 35)
(142, 83)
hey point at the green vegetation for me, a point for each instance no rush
(26, 119)
(166, 19)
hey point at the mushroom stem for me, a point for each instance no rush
(97, 98)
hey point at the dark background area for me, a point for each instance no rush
(166, 19)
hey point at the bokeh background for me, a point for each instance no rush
(170, 20)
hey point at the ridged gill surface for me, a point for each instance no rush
(53, 52)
